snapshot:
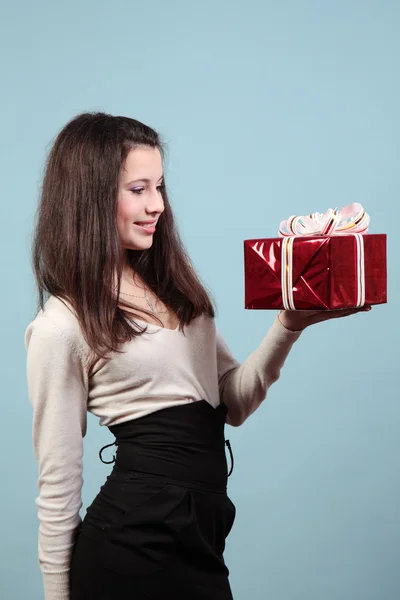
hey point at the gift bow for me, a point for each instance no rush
(339, 221)
(350, 220)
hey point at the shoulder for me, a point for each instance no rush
(204, 324)
(57, 323)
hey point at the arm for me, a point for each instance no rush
(244, 386)
(58, 389)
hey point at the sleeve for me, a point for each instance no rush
(58, 390)
(243, 387)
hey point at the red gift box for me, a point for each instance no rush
(315, 271)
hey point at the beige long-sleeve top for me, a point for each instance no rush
(159, 369)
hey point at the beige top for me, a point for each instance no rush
(159, 369)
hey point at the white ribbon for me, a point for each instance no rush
(337, 221)
(287, 273)
(350, 220)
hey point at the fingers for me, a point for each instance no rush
(366, 308)
(338, 314)
(347, 312)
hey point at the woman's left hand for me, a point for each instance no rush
(297, 320)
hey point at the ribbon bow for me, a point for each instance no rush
(337, 221)
(350, 220)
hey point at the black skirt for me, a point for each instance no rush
(158, 526)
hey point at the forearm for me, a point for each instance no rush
(245, 387)
(56, 586)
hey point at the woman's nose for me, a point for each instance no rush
(155, 203)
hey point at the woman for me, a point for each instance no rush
(127, 332)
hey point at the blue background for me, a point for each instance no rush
(269, 109)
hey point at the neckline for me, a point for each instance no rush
(151, 325)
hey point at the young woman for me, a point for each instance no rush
(125, 329)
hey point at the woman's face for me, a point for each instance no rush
(140, 202)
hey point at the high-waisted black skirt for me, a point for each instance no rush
(157, 528)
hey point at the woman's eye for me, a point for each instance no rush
(140, 190)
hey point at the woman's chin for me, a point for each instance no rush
(139, 244)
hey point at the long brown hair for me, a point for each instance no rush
(76, 250)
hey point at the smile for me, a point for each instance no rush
(147, 228)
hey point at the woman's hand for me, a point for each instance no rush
(297, 320)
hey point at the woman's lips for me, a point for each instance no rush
(149, 229)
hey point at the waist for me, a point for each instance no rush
(183, 444)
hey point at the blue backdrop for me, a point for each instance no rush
(269, 109)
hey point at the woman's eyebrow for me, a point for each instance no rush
(144, 179)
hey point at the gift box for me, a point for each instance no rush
(320, 261)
